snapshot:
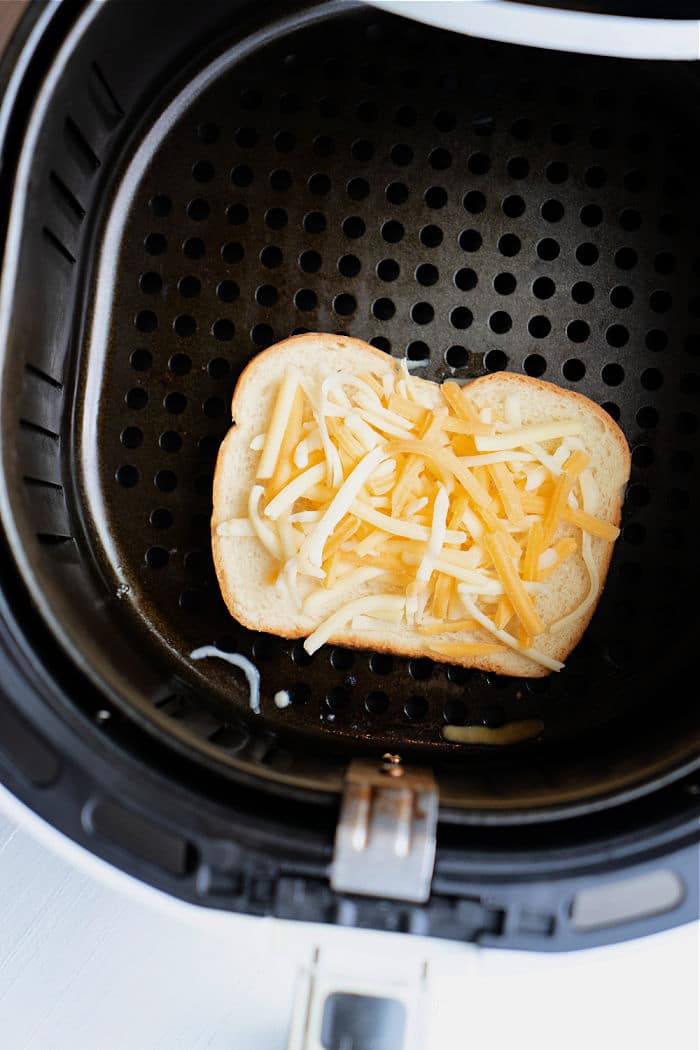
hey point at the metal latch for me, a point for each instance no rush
(385, 839)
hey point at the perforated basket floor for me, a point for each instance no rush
(471, 206)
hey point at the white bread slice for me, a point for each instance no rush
(244, 567)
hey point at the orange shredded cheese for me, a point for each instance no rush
(426, 502)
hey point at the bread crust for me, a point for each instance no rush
(405, 642)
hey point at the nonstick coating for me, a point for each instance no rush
(472, 206)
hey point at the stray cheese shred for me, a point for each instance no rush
(386, 503)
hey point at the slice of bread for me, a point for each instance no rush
(244, 567)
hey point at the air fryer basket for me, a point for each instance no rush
(469, 205)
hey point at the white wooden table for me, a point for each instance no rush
(90, 960)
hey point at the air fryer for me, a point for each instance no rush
(185, 184)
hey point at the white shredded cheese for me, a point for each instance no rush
(503, 636)
(282, 699)
(287, 497)
(249, 670)
(360, 606)
(525, 436)
(438, 530)
(258, 443)
(263, 531)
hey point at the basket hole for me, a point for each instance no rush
(574, 370)
(157, 557)
(160, 205)
(354, 227)
(431, 237)
(141, 360)
(358, 189)
(474, 202)
(543, 288)
(323, 145)
(337, 698)
(461, 317)
(642, 456)
(227, 291)
(535, 365)
(595, 177)
(651, 379)
(381, 344)
(406, 116)
(621, 297)
(664, 263)
(155, 244)
(508, 244)
(415, 708)
(376, 703)
(647, 417)
(422, 313)
(131, 437)
(561, 134)
(310, 261)
(466, 279)
(150, 283)
(557, 172)
(344, 304)
(262, 335)
(300, 656)
(470, 240)
(214, 408)
(401, 154)
(426, 274)
(381, 663)
(518, 167)
(315, 222)
(522, 129)
(165, 480)
(342, 659)
(161, 518)
(180, 364)
(435, 197)
(170, 441)
(194, 248)
(388, 270)
(479, 163)
(189, 287)
(232, 252)
(617, 335)
(241, 176)
(392, 231)
(305, 299)
(319, 184)
(137, 398)
(127, 476)
(547, 249)
(578, 331)
(626, 258)
(660, 301)
(237, 214)
(417, 351)
(500, 322)
(146, 321)
(495, 360)
(440, 159)
(582, 292)
(350, 266)
(276, 218)
(513, 206)
(587, 254)
(613, 374)
(383, 309)
(455, 713)
(175, 403)
(552, 211)
(591, 215)
(612, 409)
(539, 326)
(198, 209)
(362, 150)
(208, 132)
(456, 356)
(223, 330)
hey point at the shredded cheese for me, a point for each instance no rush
(388, 500)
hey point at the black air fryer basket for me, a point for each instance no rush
(185, 184)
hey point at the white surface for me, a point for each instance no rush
(89, 965)
(578, 31)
